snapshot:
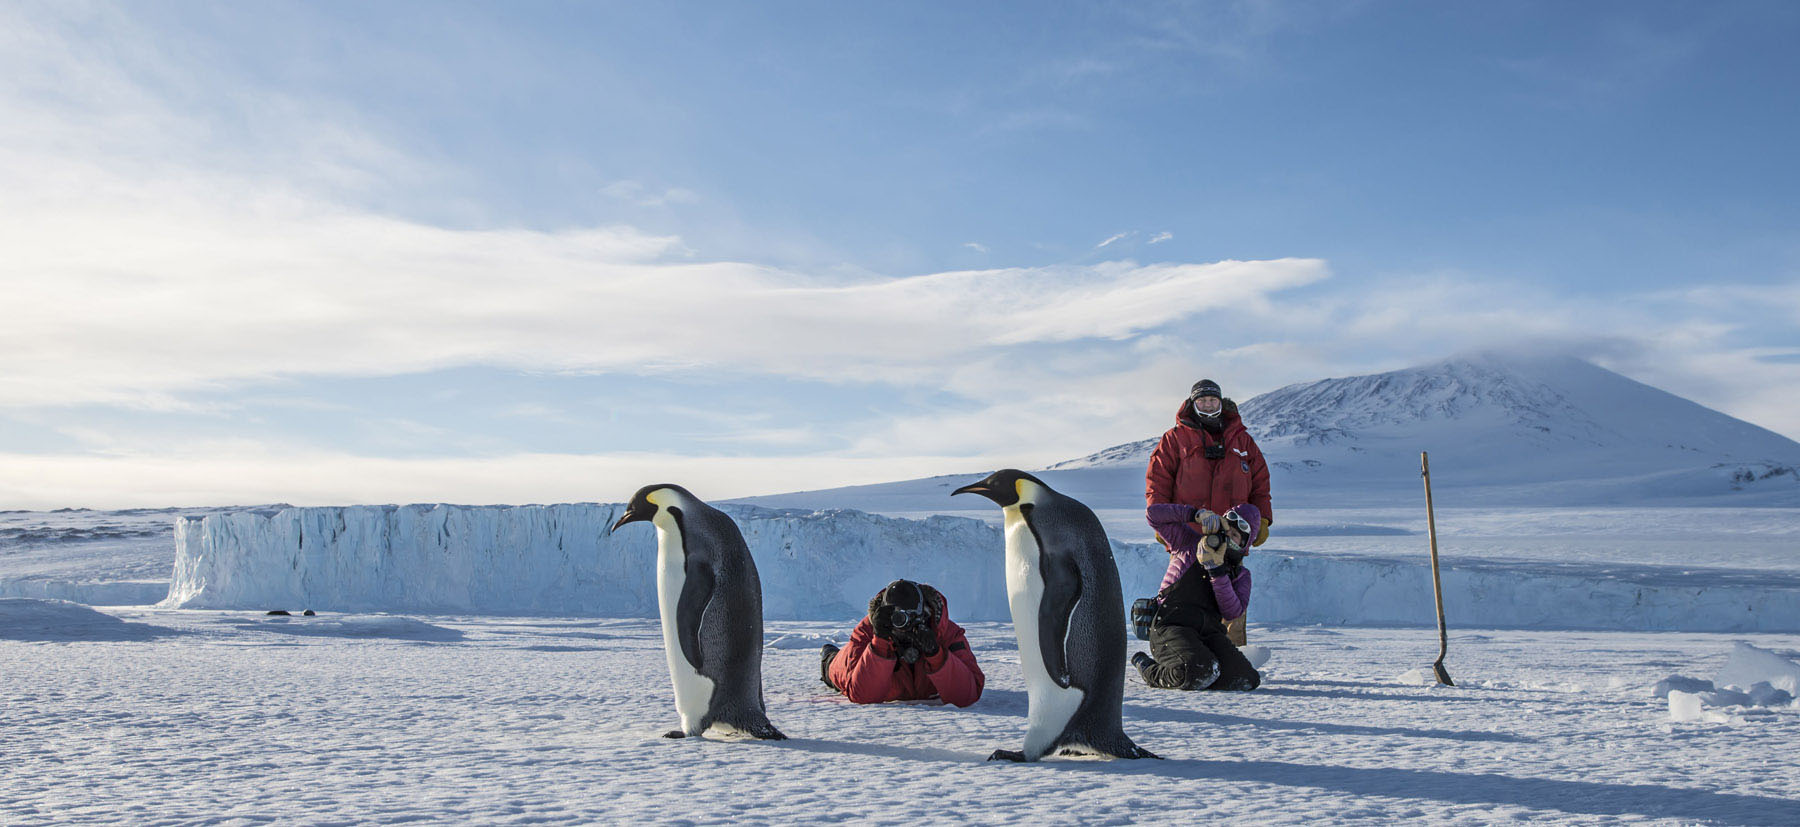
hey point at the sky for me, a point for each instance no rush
(326, 253)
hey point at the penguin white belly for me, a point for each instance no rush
(1050, 705)
(693, 691)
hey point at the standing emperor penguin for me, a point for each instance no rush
(1068, 612)
(711, 605)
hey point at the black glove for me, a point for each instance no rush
(920, 636)
(883, 621)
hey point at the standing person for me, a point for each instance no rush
(1209, 461)
(906, 649)
(1206, 584)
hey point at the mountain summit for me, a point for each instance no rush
(1566, 429)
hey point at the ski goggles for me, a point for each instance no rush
(1238, 522)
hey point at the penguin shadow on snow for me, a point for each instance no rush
(1474, 789)
(1349, 695)
(1163, 714)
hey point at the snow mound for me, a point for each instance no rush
(1257, 655)
(1753, 677)
(59, 620)
(800, 640)
(1751, 665)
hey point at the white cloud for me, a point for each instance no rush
(1110, 239)
(201, 283)
(1161, 237)
(976, 246)
(245, 475)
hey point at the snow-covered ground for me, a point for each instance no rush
(148, 716)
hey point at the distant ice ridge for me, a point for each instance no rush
(824, 565)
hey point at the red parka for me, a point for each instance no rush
(1180, 473)
(867, 670)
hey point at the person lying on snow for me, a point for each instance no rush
(1205, 586)
(907, 649)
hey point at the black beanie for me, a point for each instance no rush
(1205, 387)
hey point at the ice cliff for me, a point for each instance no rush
(824, 565)
(559, 559)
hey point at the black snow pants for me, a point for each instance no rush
(1192, 651)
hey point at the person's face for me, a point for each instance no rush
(1234, 535)
(1207, 404)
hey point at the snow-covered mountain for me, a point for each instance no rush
(1500, 429)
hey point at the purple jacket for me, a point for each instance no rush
(1174, 525)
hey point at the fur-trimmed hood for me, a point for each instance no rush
(934, 601)
(1228, 413)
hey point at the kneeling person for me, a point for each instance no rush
(906, 649)
(1206, 586)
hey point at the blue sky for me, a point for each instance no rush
(345, 252)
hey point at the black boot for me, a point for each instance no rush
(826, 653)
(1143, 662)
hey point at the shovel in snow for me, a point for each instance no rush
(1437, 588)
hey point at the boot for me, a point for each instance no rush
(826, 653)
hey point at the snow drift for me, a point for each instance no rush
(824, 565)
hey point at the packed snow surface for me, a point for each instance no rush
(233, 718)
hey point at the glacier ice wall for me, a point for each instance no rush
(559, 559)
(824, 565)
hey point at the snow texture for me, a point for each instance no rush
(232, 718)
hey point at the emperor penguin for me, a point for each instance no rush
(711, 605)
(1069, 615)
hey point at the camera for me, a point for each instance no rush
(903, 612)
(1215, 452)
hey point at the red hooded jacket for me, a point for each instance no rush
(867, 671)
(1180, 473)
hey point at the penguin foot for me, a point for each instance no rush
(1007, 755)
(674, 733)
(767, 732)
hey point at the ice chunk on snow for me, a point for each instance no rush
(1689, 707)
(1762, 694)
(1417, 677)
(1257, 655)
(800, 640)
(1750, 665)
(1683, 683)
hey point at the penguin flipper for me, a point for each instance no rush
(1062, 590)
(690, 608)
